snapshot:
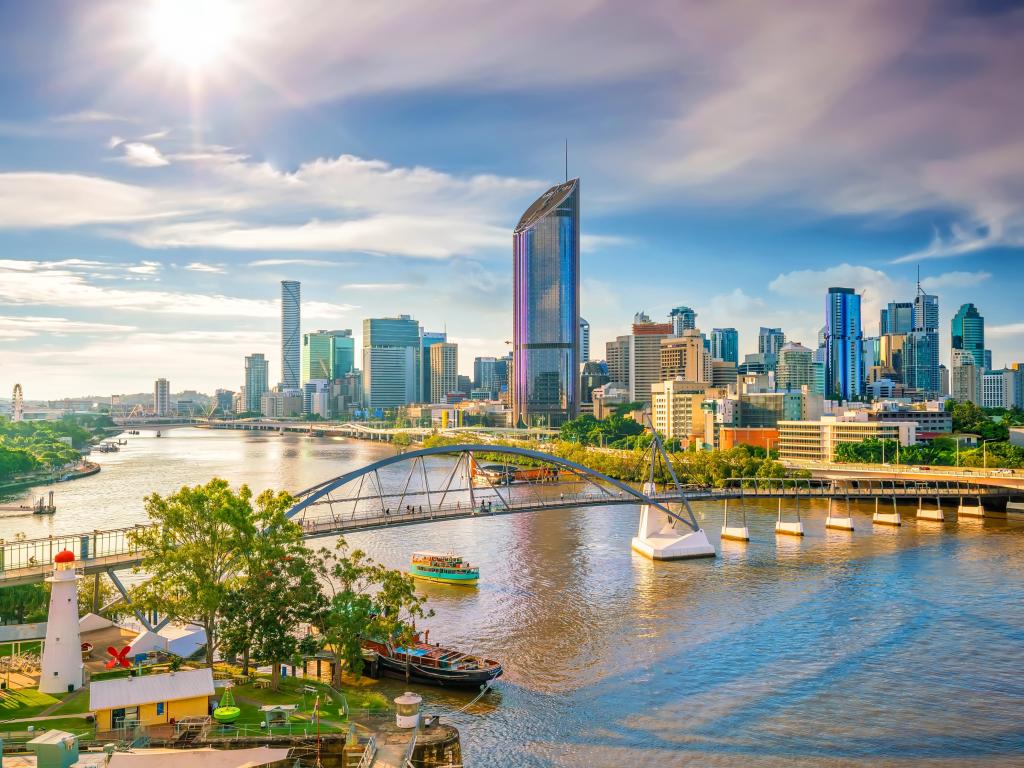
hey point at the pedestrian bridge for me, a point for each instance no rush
(468, 481)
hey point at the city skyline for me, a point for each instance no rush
(147, 214)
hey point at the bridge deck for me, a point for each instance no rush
(25, 562)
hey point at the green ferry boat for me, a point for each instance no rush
(445, 569)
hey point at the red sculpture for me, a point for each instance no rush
(119, 657)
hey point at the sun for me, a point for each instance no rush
(193, 33)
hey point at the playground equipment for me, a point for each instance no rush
(226, 712)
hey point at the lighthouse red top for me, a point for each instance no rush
(64, 556)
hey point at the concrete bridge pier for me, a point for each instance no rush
(887, 518)
(933, 515)
(789, 527)
(658, 539)
(839, 522)
(970, 511)
(735, 532)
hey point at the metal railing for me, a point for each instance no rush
(369, 753)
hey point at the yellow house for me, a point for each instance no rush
(151, 699)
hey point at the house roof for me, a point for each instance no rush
(199, 758)
(133, 691)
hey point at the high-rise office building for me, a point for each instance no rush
(593, 376)
(725, 344)
(584, 341)
(225, 400)
(391, 361)
(444, 370)
(545, 309)
(428, 340)
(843, 367)
(684, 357)
(616, 354)
(317, 359)
(682, 319)
(490, 374)
(256, 381)
(344, 353)
(926, 311)
(921, 348)
(161, 398)
(964, 378)
(769, 342)
(968, 333)
(327, 355)
(291, 338)
(897, 317)
(645, 356)
(795, 367)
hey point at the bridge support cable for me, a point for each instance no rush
(143, 619)
(658, 450)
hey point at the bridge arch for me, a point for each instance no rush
(322, 490)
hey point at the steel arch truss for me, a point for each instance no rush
(361, 498)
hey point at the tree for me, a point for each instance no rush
(196, 550)
(397, 606)
(24, 603)
(346, 607)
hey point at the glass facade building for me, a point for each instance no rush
(327, 355)
(291, 341)
(256, 382)
(391, 361)
(545, 308)
(843, 350)
(725, 344)
(969, 333)
(682, 319)
(428, 339)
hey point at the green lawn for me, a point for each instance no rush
(30, 646)
(71, 724)
(73, 705)
(25, 702)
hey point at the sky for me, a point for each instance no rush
(163, 166)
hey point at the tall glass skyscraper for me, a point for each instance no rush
(256, 381)
(921, 349)
(327, 355)
(897, 317)
(584, 341)
(969, 333)
(725, 344)
(428, 340)
(391, 361)
(291, 338)
(682, 319)
(843, 335)
(545, 309)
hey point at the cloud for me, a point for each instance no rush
(415, 236)
(142, 155)
(1003, 331)
(16, 327)
(36, 200)
(34, 283)
(328, 204)
(376, 286)
(91, 116)
(196, 266)
(294, 262)
(954, 280)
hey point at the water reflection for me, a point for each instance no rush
(899, 646)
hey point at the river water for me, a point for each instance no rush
(892, 647)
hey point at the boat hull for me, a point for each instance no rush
(461, 579)
(446, 678)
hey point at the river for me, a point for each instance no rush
(892, 647)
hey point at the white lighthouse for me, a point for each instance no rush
(62, 654)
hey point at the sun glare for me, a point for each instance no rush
(193, 33)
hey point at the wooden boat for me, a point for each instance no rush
(433, 665)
